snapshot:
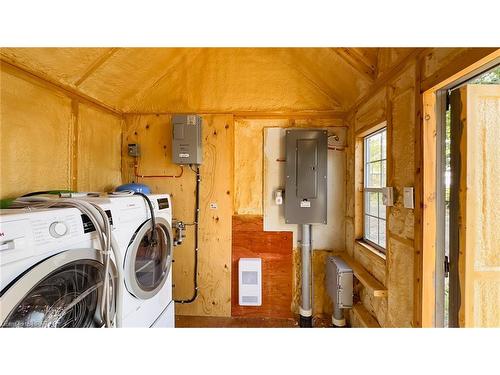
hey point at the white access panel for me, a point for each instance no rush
(250, 281)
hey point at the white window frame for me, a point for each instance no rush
(367, 190)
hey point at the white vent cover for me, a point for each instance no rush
(250, 281)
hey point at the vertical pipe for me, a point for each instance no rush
(305, 303)
(338, 319)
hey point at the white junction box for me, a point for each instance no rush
(250, 281)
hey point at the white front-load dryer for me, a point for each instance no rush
(51, 269)
(147, 296)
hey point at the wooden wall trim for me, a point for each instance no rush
(96, 65)
(385, 78)
(256, 114)
(418, 229)
(463, 64)
(354, 60)
(48, 82)
(74, 144)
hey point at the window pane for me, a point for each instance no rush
(375, 177)
(374, 147)
(384, 144)
(374, 171)
(371, 228)
(381, 234)
(371, 203)
(383, 178)
(381, 207)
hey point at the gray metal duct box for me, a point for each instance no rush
(339, 279)
(186, 139)
(306, 176)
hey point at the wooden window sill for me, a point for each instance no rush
(374, 287)
(371, 249)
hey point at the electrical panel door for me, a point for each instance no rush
(306, 176)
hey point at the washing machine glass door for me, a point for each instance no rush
(61, 291)
(147, 264)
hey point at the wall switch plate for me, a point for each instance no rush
(408, 199)
(388, 196)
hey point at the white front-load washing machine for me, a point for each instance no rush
(147, 297)
(147, 267)
(51, 269)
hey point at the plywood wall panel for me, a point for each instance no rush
(153, 133)
(35, 137)
(275, 250)
(248, 164)
(99, 150)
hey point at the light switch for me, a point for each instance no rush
(408, 200)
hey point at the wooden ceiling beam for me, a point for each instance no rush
(353, 58)
(96, 65)
(46, 81)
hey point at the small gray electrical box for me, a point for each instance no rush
(306, 176)
(186, 139)
(339, 278)
(133, 150)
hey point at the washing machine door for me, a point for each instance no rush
(147, 265)
(61, 291)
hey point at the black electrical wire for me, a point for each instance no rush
(152, 238)
(196, 230)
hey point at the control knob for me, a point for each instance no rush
(58, 229)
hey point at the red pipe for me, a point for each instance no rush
(136, 167)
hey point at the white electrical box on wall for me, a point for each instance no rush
(408, 199)
(250, 282)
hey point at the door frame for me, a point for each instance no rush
(434, 107)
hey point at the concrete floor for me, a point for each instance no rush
(182, 321)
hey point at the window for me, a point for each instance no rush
(375, 167)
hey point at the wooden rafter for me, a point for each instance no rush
(359, 62)
(337, 101)
(96, 65)
(47, 81)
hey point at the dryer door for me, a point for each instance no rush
(61, 291)
(147, 265)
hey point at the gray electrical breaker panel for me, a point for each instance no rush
(339, 279)
(186, 139)
(306, 176)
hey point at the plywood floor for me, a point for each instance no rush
(182, 321)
